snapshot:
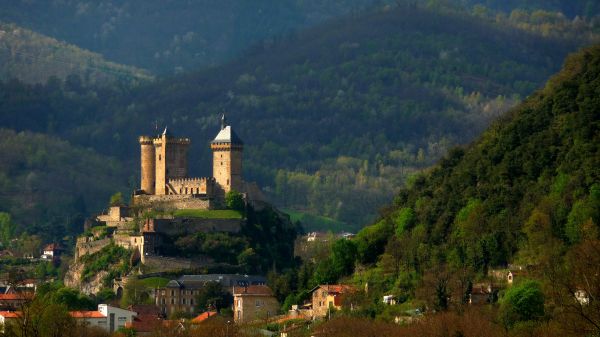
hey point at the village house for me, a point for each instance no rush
(6, 317)
(14, 300)
(389, 299)
(106, 317)
(582, 296)
(483, 293)
(253, 302)
(51, 251)
(326, 297)
(147, 320)
(180, 295)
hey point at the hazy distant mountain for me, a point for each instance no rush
(33, 58)
(170, 36)
(167, 37)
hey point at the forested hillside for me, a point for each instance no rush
(49, 186)
(34, 58)
(526, 192)
(180, 36)
(334, 118)
(524, 197)
(170, 37)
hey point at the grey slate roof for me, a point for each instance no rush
(173, 284)
(226, 280)
(227, 135)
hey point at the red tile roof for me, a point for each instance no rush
(10, 314)
(203, 316)
(261, 290)
(86, 314)
(13, 297)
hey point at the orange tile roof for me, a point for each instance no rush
(86, 314)
(13, 297)
(254, 290)
(203, 316)
(10, 314)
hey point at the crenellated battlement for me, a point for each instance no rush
(146, 140)
(179, 141)
(191, 180)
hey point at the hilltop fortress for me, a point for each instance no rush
(169, 205)
(164, 173)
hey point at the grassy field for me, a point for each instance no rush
(312, 222)
(154, 282)
(208, 214)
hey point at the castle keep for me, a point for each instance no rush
(164, 174)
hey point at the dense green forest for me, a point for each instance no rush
(170, 37)
(49, 186)
(175, 37)
(334, 118)
(34, 58)
(526, 192)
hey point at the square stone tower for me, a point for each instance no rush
(162, 159)
(227, 150)
(171, 160)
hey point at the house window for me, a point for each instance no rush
(191, 301)
(172, 301)
(227, 181)
(172, 292)
(183, 301)
(257, 303)
(163, 301)
(159, 157)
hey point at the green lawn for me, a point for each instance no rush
(208, 214)
(154, 282)
(312, 222)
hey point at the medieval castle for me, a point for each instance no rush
(164, 174)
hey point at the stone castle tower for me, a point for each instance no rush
(227, 150)
(164, 165)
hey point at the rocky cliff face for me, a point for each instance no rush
(88, 287)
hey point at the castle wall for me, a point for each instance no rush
(181, 226)
(190, 186)
(174, 201)
(86, 245)
(148, 168)
(163, 263)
